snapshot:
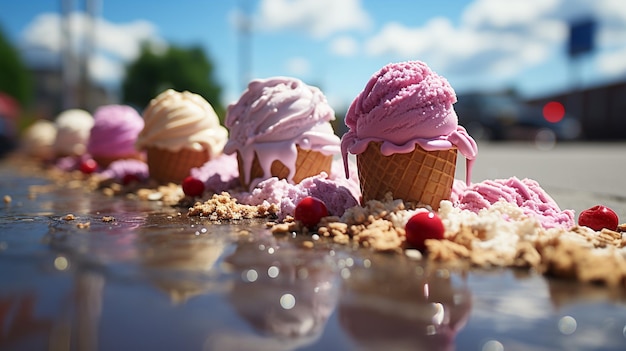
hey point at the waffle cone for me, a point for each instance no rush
(168, 166)
(420, 176)
(308, 163)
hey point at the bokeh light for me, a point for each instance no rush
(553, 111)
(287, 301)
(567, 325)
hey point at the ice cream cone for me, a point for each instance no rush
(308, 163)
(421, 176)
(167, 166)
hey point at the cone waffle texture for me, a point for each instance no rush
(308, 164)
(167, 166)
(421, 176)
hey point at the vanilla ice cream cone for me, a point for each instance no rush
(421, 176)
(181, 131)
(168, 166)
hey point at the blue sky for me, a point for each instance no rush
(338, 45)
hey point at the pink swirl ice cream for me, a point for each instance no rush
(114, 132)
(273, 117)
(525, 193)
(403, 105)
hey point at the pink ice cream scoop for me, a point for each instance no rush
(114, 132)
(525, 193)
(403, 105)
(274, 116)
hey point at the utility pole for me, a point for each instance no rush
(69, 70)
(244, 33)
(581, 42)
(75, 61)
(92, 10)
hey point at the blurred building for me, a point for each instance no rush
(49, 93)
(601, 110)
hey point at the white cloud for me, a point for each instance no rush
(344, 46)
(115, 44)
(505, 38)
(124, 40)
(506, 14)
(103, 69)
(298, 66)
(44, 32)
(612, 62)
(318, 18)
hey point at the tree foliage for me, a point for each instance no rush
(177, 68)
(14, 77)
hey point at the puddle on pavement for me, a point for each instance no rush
(127, 274)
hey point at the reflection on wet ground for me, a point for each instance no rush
(126, 274)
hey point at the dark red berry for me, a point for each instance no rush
(193, 186)
(130, 178)
(423, 226)
(598, 217)
(88, 166)
(310, 211)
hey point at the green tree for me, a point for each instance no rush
(177, 68)
(15, 79)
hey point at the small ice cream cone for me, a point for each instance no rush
(421, 176)
(168, 166)
(308, 163)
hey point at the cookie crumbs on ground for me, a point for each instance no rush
(370, 226)
(7, 199)
(69, 217)
(108, 219)
(83, 225)
(169, 194)
(224, 207)
(486, 239)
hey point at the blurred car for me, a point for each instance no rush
(9, 113)
(504, 117)
(7, 140)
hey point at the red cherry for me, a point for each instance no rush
(598, 217)
(310, 211)
(422, 226)
(193, 186)
(88, 166)
(130, 178)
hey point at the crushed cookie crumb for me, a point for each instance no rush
(83, 225)
(485, 239)
(282, 228)
(7, 199)
(68, 217)
(108, 192)
(224, 207)
(108, 219)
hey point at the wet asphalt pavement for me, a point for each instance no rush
(152, 280)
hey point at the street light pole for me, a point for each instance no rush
(244, 31)
(69, 71)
